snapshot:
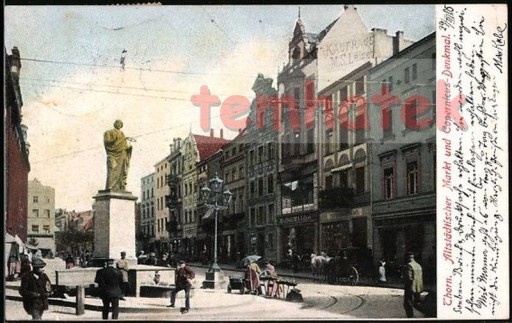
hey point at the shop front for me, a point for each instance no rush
(298, 234)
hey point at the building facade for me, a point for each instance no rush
(162, 170)
(402, 123)
(41, 219)
(234, 221)
(346, 54)
(261, 161)
(16, 154)
(174, 199)
(146, 230)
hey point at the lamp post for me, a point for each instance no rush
(216, 199)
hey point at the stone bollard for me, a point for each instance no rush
(80, 300)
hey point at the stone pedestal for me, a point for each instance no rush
(215, 280)
(114, 225)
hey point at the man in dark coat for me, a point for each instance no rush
(183, 279)
(413, 276)
(109, 280)
(35, 288)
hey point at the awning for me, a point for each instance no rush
(208, 214)
(341, 168)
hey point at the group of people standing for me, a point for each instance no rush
(254, 275)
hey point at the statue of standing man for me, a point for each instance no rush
(119, 152)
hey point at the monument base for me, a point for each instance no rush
(114, 225)
(215, 280)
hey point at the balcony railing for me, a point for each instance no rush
(172, 201)
(172, 179)
(336, 198)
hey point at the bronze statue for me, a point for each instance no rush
(119, 152)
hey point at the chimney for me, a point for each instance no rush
(398, 42)
(211, 132)
(222, 133)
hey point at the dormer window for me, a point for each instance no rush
(296, 54)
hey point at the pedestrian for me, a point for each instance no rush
(272, 285)
(70, 261)
(413, 281)
(184, 275)
(252, 277)
(382, 271)
(124, 267)
(35, 289)
(109, 281)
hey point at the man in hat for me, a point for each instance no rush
(122, 265)
(35, 288)
(413, 276)
(183, 279)
(109, 281)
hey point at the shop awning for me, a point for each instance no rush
(341, 168)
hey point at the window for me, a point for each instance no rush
(233, 174)
(344, 131)
(328, 182)
(360, 86)
(241, 172)
(252, 159)
(271, 215)
(360, 128)
(252, 217)
(343, 94)
(360, 179)
(270, 184)
(270, 148)
(410, 113)
(270, 241)
(389, 185)
(412, 178)
(384, 87)
(46, 213)
(35, 228)
(261, 215)
(433, 61)
(328, 141)
(310, 148)
(387, 122)
(261, 154)
(35, 213)
(35, 199)
(343, 179)
(414, 71)
(296, 144)
(252, 189)
(390, 83)
(406, 75)
(260, 186)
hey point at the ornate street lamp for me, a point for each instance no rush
(216, 200)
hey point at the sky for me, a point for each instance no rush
(83, 67)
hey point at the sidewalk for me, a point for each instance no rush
(64, 309)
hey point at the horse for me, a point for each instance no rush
(319, 264)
